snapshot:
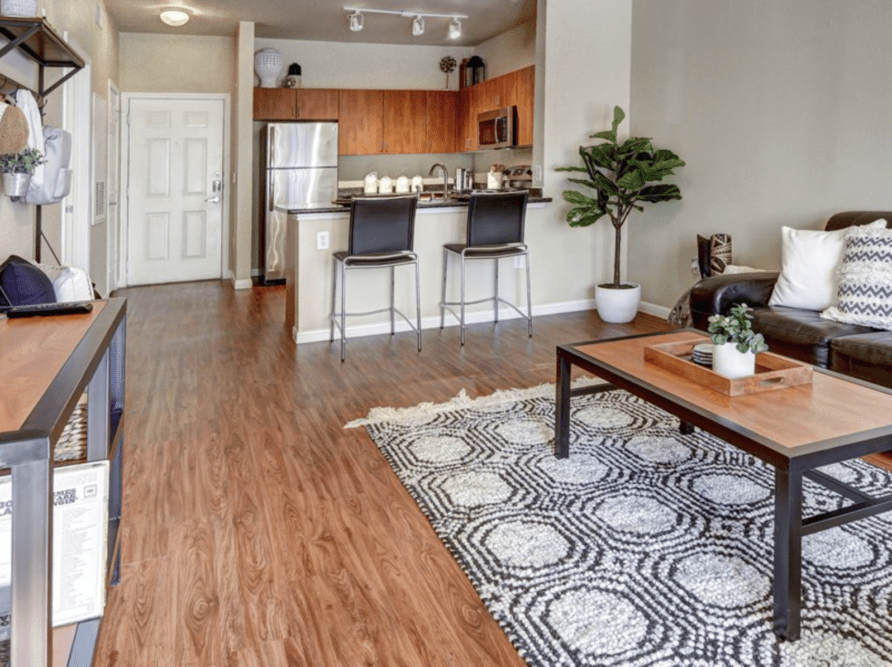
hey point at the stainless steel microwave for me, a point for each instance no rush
(495, 129)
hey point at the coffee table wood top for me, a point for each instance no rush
(829, 412)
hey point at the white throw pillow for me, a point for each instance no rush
(809, 261)
(72, 284)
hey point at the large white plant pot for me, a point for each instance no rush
(617, 306)
(730, 362)
(268, 64)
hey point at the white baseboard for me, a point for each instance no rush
(476, 317)
(653, 309)
(243, 283)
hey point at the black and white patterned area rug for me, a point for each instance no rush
(645, 547)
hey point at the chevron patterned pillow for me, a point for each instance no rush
(865, 280)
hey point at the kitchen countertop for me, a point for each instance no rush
(342, 204)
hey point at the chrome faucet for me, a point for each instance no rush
(445, 178)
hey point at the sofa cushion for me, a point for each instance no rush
(865, 279)
(867, 356)
(809, 263)
(801, 334)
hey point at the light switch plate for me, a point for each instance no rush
(322, 241)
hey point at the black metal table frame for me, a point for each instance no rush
(790, 466)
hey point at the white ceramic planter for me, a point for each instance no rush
(730, 362)
(617, 306)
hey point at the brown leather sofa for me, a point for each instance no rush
(855, 350)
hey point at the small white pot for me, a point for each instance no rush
(15, 184)
(730, 362)
(617, 305)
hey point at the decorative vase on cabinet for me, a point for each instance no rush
(268, 64)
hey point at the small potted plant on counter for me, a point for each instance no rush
(622, 176)
(17, 169)
(735, 344)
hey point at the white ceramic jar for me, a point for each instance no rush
(370, 184)
(385, 185)
(402, 185)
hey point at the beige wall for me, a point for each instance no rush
(156, 63)
(582, 71)
(781, 111)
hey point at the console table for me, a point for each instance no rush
(46, 365)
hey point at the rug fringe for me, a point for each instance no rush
(462, 400)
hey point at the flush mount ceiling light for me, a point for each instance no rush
(356, 20)
(417, 22)
(174, 16)
(454, 28)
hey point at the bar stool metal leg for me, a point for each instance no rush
(418, 303)
(392, 300)
(334, 296)
(343, 311)
(443, 292)
(461, 333)
(526, 259)
(495, 299)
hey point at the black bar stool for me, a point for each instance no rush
(382, 231)
(495, 231)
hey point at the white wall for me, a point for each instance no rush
(780, 109)
(510, 51)
(345, 65)
(582, 71)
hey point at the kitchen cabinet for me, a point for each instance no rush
(405, 122)
(295, 104)
(442, 108)
(524, 99)
(466, 125)
(361, 122)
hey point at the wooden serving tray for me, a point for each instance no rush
(772, 371)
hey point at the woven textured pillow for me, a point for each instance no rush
(865, 280)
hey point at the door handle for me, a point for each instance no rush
(213, 200)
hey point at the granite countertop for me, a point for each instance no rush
(342, 203)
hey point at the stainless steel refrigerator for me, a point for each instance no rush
(299, 162)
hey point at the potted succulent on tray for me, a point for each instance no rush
(623, 177)
(735, 343)
(17, 169)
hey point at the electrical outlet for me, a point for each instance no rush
(322, 241)
(537, 173)
(519, 262)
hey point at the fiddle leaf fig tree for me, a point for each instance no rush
(623, 177)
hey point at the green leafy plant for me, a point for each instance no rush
(623, 177)
(21, 163)
(737, 327)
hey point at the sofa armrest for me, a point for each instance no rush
(716, 295)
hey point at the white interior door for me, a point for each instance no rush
(175, 197)
(114, 183)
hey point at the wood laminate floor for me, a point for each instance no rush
(257, 531)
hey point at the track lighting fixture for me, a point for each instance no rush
(356, 19)
(454, 28)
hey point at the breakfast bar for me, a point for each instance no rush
(308, 268)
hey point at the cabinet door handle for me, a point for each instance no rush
(298, 111)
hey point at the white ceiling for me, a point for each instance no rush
(326, 20)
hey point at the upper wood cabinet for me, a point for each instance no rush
(361, 122)
(317, 104)
(524, 99)
(274, 104)
(405, 121)
(442, 119)
(295, 104)
(466, 124)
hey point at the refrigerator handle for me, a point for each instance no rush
(272, 145)
(272, 190)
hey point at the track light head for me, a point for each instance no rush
(356, 21)
(454, 29)
(418, 26)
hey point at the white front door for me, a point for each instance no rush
(114, 179)
(175, 204)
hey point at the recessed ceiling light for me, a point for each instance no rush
(174, 17)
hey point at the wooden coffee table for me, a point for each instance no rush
(796, 429)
